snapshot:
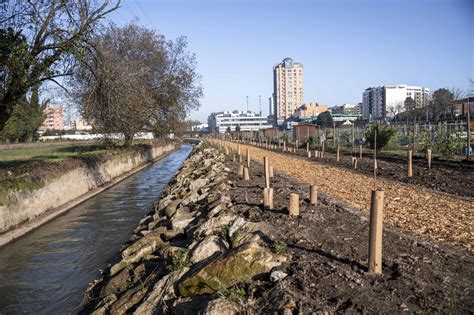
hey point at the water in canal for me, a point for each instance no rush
(47, 271)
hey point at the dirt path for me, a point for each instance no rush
(427, 213)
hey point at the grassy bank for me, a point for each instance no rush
(31, 166)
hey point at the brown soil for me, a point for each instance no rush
(434, 215)
(328, 245)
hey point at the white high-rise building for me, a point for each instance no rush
(386, 101)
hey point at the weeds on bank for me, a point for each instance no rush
(238, 235)
(180, 260)
(232, 294)
(206, 145)
(279, 247)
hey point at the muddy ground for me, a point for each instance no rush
(328, 246)
(453, 177)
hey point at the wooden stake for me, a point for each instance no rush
(307, 146)
(376, 230)
(248, 158)
(316, 153)
(294, 208)
(284, 146)
(270, 171)
(241, 170)
(246, 173)
(268, 198)
(428, 156)
(355, 163)
(309, 154)
(266, 167)
(322, 151)
(337, 154)
(238, 149)
(360, 151)
(410, 163)
(313, 194)
(375, 159)
(468, 128)
(240, 158)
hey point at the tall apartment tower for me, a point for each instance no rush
(288, 88)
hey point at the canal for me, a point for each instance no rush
(47, 270)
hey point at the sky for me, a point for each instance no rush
(344, 46)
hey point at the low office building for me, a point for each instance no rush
(246, 120)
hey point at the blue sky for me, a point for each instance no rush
(344, 46)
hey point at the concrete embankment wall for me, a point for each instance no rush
(24, 205)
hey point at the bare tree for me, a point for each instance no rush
(394, 110)
(135, 80)
(41, 41)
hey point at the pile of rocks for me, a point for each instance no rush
(188, 253)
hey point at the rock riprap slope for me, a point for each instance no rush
(190, 253)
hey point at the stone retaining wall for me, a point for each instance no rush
(20, 206)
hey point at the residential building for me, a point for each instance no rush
(347, 109)
(381, 102)
(288, 88)
(309, 111)
(53, 120)
(246, 120)
(460, 107)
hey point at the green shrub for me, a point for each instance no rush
(313, 141)
(448, 146)
(384, 134)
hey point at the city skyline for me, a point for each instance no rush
(344, 46)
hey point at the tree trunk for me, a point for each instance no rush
(128, 140)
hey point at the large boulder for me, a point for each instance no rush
(163, 291)
(123, 280)
(182, 220)
(214, 225)
(206, 248)
(222, 306)
(198, 183)
(170, 209)
(138, 250)
(243, 263)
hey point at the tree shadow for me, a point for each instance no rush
(345, 261)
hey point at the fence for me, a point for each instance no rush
(447, 139)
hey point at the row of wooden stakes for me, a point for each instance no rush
(376, 206)
(320, 153)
